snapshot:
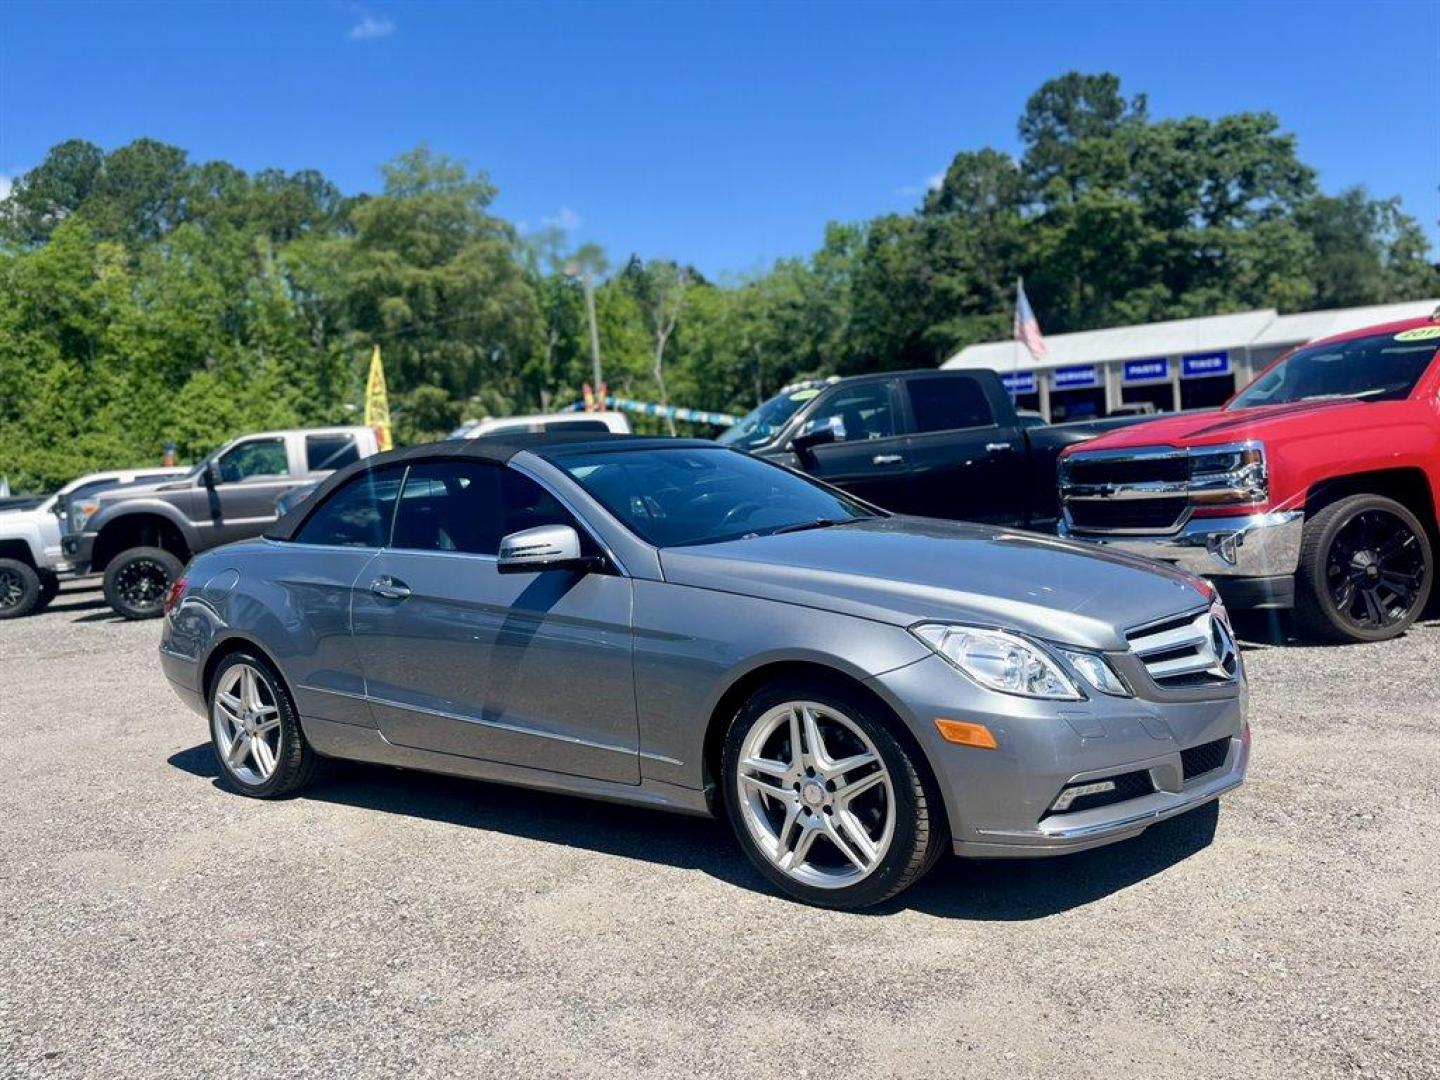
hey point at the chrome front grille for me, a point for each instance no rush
(1154, 489)
(1191, 650)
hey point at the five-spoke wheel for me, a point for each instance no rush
(254, 731)
(825, 799)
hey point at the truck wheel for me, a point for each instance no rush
(19, 589)
(136, 581)
(1365, 570)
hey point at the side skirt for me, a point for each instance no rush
(354, 743)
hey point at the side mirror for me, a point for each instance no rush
(803, 444)
(546, 547)
(211, 475)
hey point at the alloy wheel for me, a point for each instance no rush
(142, 584)
(246, 723)
(1374, 570)
(815, 795)
(12, 589)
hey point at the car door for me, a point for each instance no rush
(963, 465)
(867, 456)
(312, 576)
(252, 475)
(528, 669)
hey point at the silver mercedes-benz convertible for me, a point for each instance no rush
(671, 623)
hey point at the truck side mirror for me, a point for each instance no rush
(804, 444)
(211, 475)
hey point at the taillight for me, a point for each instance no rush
(177, 590)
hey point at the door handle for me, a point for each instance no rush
(996, 447)
(390, 588)
(886, 459)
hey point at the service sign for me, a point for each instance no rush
(1152, 370)
(1074, 378)
(1019, 382)
(1198, 365)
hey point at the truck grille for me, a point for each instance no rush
(1151, 489)
(1199, 760)
(1187, 651)
(1149, 515)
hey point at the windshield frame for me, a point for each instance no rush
(565, 462)
(1425, 375)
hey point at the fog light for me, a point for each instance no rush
(966, 734)
(1070, 794)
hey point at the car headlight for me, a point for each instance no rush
(1235, 473)
(1001, 661)
(1096, 671)
(80, 513)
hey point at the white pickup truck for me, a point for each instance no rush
(31, 560)
(141, 538)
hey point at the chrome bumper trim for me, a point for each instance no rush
(1257, 545)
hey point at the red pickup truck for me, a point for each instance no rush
(1315, 487)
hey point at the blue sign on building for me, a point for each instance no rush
(1075, 378)
(1155, 369)
(1198, 365)
(1019, 382)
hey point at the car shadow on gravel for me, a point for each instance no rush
(977, 889)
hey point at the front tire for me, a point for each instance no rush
(826, 801)
(20, 589)
(1366, 570)
(255, 731)
(137, 580)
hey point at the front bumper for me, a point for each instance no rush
(998, 802)
(1256, 545)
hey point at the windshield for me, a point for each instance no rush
(1383, 367)
(672, 498)
(760, 425)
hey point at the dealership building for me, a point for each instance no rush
(1180, 364)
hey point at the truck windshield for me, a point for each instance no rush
(760, 425)
(674, 497)
(1382, 367)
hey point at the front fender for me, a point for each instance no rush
(132, 509)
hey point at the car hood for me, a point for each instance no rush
(906, 570)
(1227, 425)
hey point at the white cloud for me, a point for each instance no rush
(564, 218)
(369, 28)
(7, 184)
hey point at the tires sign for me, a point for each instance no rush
(1203, 365)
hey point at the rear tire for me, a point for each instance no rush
(20, 589)
(137, 580)
(255, 731)
(791, 813)
(1365, 573)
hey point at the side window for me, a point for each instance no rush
(255, 457)
(324, 453)
(856, 413)
(451, 506)
(358, 513)
(948, 403)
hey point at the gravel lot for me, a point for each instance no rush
(399, 924)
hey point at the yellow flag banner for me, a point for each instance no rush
(377, 402)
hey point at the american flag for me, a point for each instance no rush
(1027, 327)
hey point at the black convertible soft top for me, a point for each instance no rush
(496, 449)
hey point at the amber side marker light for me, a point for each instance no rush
(965, 733)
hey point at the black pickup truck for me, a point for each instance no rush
(946, 444)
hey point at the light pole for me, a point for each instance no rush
(587, 282)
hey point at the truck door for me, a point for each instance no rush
(252, 475)
(867, 456)
(964, 465)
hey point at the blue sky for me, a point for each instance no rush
(726, 135)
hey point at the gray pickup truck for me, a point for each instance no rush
(141, 537)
